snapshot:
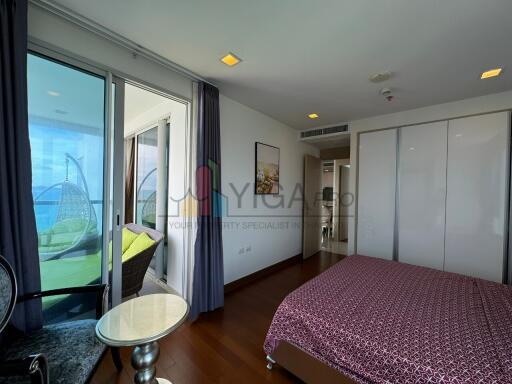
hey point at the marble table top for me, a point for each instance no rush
(142, 320)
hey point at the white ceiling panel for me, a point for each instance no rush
(302, 56)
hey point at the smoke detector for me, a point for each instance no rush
(381, 76)
(386, 92)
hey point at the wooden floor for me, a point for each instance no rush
(226, 346)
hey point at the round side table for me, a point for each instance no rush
(140, 322)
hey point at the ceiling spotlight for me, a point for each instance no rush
(313, 116)
(231, 59)
(53, 93)
(491, 73)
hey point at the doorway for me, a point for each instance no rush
(335, 178)
(326, 202)
(154, 128)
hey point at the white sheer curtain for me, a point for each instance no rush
(191, 204)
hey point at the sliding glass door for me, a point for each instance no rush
(147, 161)
(77, 131)
(151, 185)
(67, 137)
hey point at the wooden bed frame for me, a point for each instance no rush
(306, 367)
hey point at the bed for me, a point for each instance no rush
(367, 320)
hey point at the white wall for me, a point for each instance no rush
(254, 237)
(477, 105)
(340, 186)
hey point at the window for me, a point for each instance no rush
(67, 132)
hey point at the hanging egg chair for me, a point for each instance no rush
(74, 228)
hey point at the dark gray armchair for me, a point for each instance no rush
(60, 353)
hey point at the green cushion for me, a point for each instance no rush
(64, 234)
(69, 272)
(128, 238)
(69, 225)
(141, 243)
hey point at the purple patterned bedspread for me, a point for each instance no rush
(379, 321)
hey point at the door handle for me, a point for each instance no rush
(118, 220)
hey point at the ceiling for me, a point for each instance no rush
(138, 101)
(303, 56)
(58, 93)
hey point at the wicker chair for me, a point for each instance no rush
(135, 268)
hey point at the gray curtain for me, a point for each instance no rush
(18, 236)
(208, 284)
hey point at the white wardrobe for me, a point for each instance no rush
(377, 193)
(436, 195)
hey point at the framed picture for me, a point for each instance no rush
(267, 170)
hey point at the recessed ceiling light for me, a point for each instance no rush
(53, 93)
(231, 60)
(491, 73)
(313, 116)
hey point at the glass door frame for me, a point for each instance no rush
(112, 210)
(159, 270)
(115, 209)
(135, 136)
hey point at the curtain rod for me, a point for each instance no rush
(113, 37)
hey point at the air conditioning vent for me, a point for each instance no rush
(338, 129)
(314, 132)
(324, 131)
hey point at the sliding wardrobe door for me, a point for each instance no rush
(477, 187)
(376, 194)
(422, 194)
